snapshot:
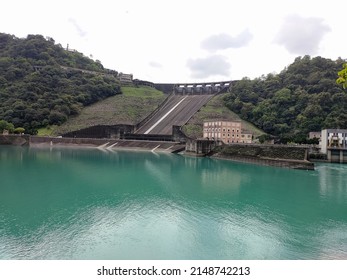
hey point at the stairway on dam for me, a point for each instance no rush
(176, 110)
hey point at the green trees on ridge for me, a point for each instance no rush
(304, 97)
(36, 91)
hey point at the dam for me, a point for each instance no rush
(181, 103)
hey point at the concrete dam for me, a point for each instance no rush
(163, 124)
(182, 103)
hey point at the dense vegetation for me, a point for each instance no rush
(42, 84)
(304, 97)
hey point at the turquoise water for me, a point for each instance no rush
(91, 204)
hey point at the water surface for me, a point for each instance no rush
(91, 204)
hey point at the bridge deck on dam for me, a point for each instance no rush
(177, 110)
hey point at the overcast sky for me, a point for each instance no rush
(186, 40)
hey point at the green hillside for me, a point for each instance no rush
(43, 84)
(304, 97)
(215, 109)
(128, 108)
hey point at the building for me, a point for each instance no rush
(125, 79)
(226, 131)
(314, 134)
(334, 144)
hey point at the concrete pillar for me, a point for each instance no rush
(329, 155)
(341, 156)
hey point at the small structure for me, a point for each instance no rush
(315, 134)
(125, 79)
(5, 132)
(201, 88)
(226, 131)
(200, 147)
(334, 144)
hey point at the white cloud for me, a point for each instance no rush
(78, 28)
(301, 35)
(155, 64)
(209, 66)
(225, 41)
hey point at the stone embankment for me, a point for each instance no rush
(15, 140)
(107, 144)
(271, 155)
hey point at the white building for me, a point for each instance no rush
(333, 138)
(334, 144)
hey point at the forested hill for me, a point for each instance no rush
(304, 97)
(41, 83)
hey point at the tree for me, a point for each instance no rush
(342, 79)
(19, 130)
(4, 125)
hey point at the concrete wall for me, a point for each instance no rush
(200, 147)
(166, 88)
(15, 140)
(36, 141)
(337, 155)
(102, 131)
(52, 141)
(272, 155)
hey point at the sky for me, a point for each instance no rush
(185, 41)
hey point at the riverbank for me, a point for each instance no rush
(269, 155)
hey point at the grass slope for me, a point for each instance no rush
(215, 110)
(128, 108)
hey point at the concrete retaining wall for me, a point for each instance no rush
(271, 155)
(102, 131)
(15, 140)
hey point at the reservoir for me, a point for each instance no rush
(68, 203)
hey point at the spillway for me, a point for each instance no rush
(176, 110)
